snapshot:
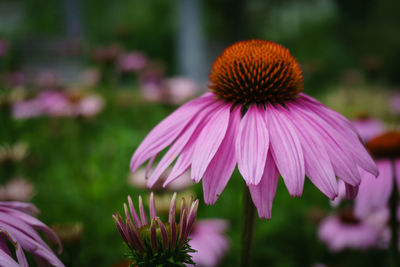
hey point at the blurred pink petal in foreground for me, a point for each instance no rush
(18, 230)
(209, 241)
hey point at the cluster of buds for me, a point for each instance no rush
(157, 243)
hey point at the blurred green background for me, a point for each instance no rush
(348, 50)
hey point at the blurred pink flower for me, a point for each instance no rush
(89, 106)
(267, 132)
(18, 229)
(132, 62)
(55, 103)
(27, 109)
(139, 179)
(368, 127)
(17, 189)
(59, 104)
(347, 232)
(395, 103)
(374, 193)
(209, 241)
(178, 89)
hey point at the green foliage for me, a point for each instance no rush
(166, 257)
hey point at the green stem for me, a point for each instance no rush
(394, 226)
(248, 227)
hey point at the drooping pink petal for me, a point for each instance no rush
(174, 150)
(167, 130)
(221, 167)
(21, 206)
(263, 194)
(185, 159)
(344, 129)
(374, 193)
(33, 246)
(318, 166)
(209, 141)
(19, 225)
(35, 223)
(286, 149)
(252, 145)
(337, 147)
(342, 162)
(19, 252)
(6, 260)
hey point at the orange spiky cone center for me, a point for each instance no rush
(256, 71)
(386, 145)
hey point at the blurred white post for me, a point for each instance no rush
(72, 18)
(190, 43)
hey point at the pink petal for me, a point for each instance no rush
(263, 194)
(252, 145)
(223, 164)
(286, 149)
(168, 129)
(345, 129)
(33, 246)
(374, 193)
(341, 159)
(185, 159)
(178, 146)
(209, 141)
(318, 165)
(7, 260)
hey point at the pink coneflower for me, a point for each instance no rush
(209, 241)
(132, 62)
(347, 232)
(257, 117)
(156, 243)
(59, 104)
(18, 228)
(374, 193)
(368, 127)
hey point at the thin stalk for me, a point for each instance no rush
(394, 225)
(248, 227)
